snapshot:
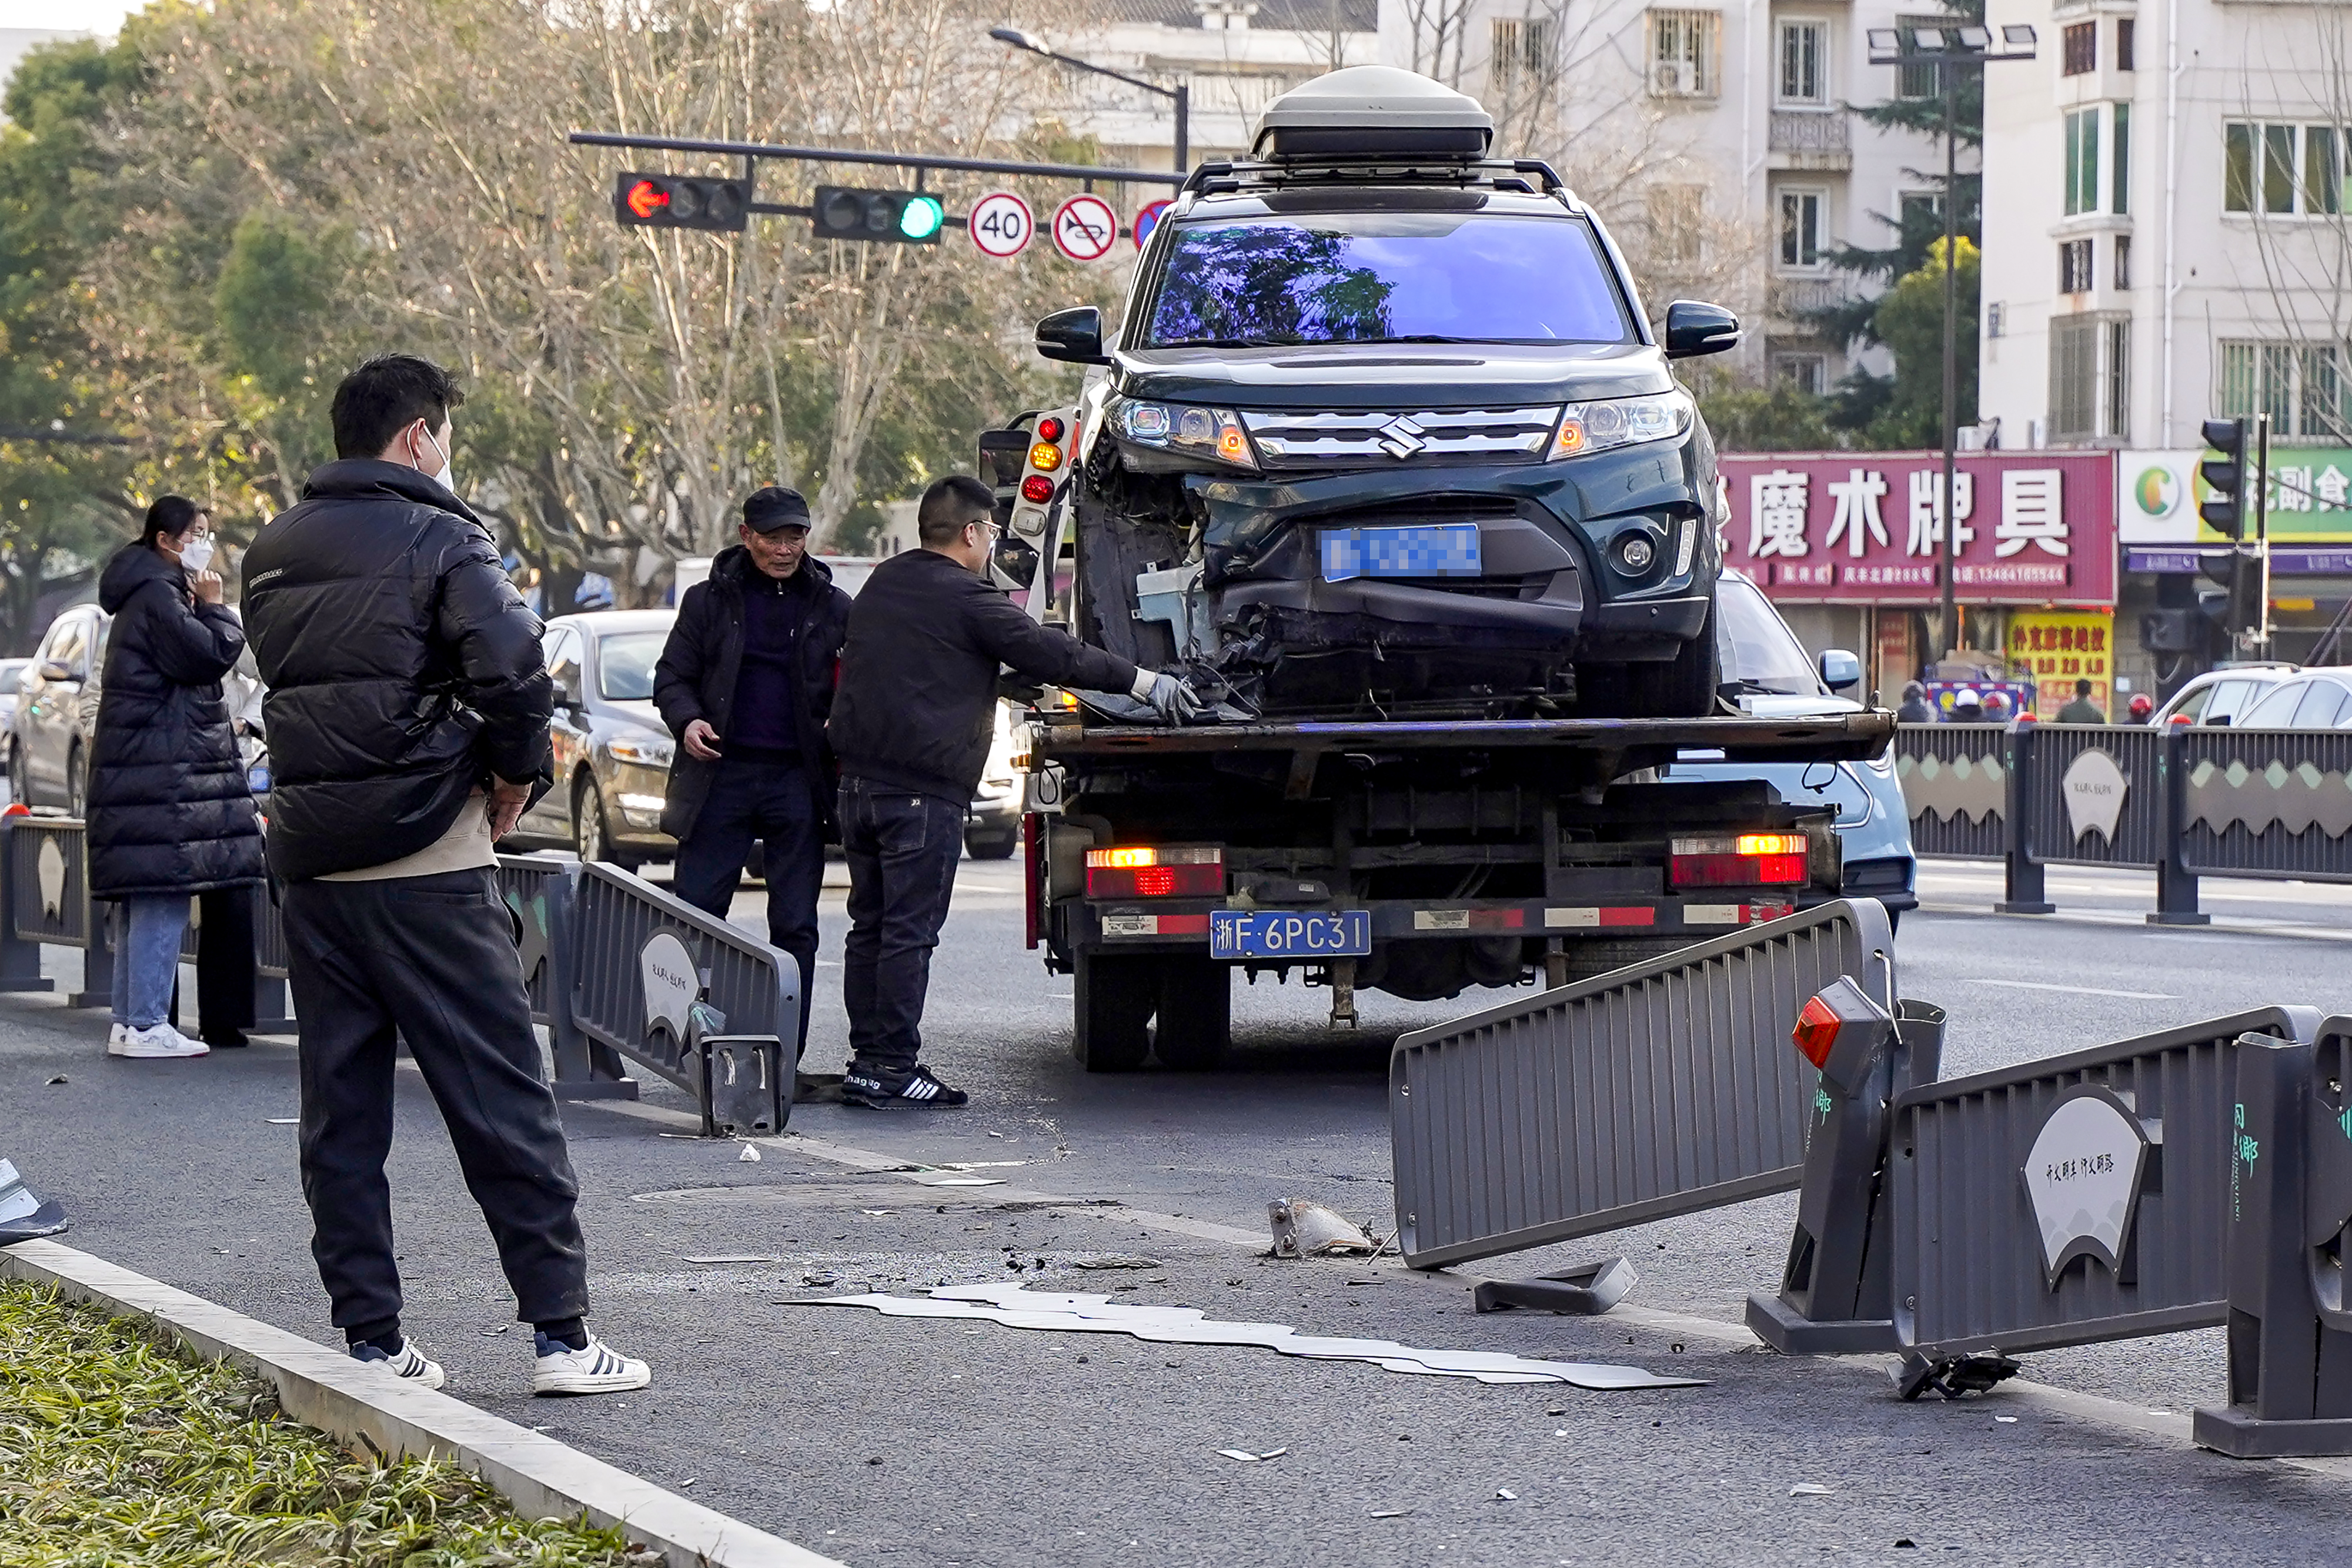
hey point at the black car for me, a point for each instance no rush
(1397, 409)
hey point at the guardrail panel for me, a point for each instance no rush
(47, 882)
(2095, 795)
(1953, 787)
(523, 883)
(2267, 803)
(1663, 1087)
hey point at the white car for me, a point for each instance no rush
(2224, 696)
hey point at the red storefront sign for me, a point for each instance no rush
(1863, 528)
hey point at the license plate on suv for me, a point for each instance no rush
(1289, 933)
(1434, 550)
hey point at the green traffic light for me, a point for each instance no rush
(922, 216)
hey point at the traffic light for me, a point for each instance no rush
(895, 218)
(683, 201)
(2221, 510)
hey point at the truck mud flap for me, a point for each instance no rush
(1656, 1090)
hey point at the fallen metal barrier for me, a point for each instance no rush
(1657, 1090)
(704, 1004)
(539, 889)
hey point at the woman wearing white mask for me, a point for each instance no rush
(170, 813)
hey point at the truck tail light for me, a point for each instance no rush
(1045, 456)
(1195, 871)
(1037, 489)
(1739, 860)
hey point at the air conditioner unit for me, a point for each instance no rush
(1672, 79)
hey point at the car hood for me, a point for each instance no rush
(1391, 375)
(643, 714)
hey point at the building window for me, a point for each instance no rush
(2090, 378)
(1802, 47)
(2120, 202)
(1807, 374)
(2302, 388)
(1996, 320)
(2083, 160)
(2074, 267)
(1677, 225)
(2123, 261)
(2079, 49)
(1918, 80)
(1803, 229)
(2124, 29)
(1522, 59)
(2281, 169)
(1683, 47)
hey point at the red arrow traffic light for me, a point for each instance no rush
(646, 198)
(682, 202)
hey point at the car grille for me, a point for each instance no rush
(1288, 439)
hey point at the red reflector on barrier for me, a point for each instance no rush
(1817, 1031)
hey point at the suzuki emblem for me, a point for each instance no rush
(1401, 437)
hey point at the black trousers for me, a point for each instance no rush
(431, 958)
(774, 803)
(902, 850)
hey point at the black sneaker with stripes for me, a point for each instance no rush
(884, 1088)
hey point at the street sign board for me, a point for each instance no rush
(1001, 225)
(1148, 219)
(1084, 228)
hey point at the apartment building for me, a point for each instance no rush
(2166, 223)
(1719, 139)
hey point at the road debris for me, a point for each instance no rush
(1305, 1229)
(1503, 1494)
(1245, 1456)
(750, 1152)
(1015, 1307)
(1809, 1489)
(284, 1121)
(60, 1078)
(1588, 1291)
(1116, 1263)
(731, 1257)
(1391, 1513)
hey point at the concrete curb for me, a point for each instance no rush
(357, 1404)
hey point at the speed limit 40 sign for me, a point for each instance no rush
(1086, 228)
(1001, 225)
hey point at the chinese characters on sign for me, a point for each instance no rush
(1868, 528)
(2061, 647)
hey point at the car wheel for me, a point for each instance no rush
(592, 832)
(1196, 1014)
(986, 846)
(1115, 1000)
(76, 784)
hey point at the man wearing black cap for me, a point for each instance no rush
(746, 684)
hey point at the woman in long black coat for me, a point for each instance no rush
(171, 812)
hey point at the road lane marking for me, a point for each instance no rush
(2078, 990)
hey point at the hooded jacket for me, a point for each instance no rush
(699, 665)
(170, 810)
(403, 668)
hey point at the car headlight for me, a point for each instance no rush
(1588, 427)
(650, 751)
(1215, 434)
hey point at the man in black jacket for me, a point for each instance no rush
(407, 713)
(911, 725)
(745, 683)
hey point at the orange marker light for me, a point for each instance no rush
(1231, 445)
(1816, 1032)
(1045, 455)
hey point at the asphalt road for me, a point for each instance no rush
(938, 1442)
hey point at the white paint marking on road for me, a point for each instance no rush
(2079, 991)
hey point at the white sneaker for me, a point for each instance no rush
(599, 1369)
(411, 1363)
(117, 1036)
(156, 1040)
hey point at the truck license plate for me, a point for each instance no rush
(1289, 933)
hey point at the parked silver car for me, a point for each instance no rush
(2315, 699)
(2222, 697)
(57, 711)
(611, 751)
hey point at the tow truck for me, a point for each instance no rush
(1453, 648)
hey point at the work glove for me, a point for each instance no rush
(1168, 694)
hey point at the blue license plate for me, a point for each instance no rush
(1289, 933)
(1435, 549)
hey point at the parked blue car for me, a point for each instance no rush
(1776, 679)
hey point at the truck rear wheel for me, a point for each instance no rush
(1196, 1014)
(1116, 996)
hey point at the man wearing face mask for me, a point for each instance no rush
(407, 713)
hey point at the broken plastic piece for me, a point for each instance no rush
(1953, 1376)
(1809, 1489)
(750, 1152)
(1305, 1229)
(25, 1215)
(1588, 1290)
(1116, 1263)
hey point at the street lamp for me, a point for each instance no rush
(1948, 49)
(1181, 93)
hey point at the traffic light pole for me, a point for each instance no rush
(1088, 174)
(2262, 525)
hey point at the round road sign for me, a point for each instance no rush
(1001, 224)
(1084, 228)
(1148, 219)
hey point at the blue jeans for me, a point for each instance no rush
(902, 850)
(147, 936)
(776, 804)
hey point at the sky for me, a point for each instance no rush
(64, 16)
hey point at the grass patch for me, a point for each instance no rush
(118, 1451)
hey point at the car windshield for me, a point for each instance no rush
(625, 664)
(1759, 649)
(1385, 277)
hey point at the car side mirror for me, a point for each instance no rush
(1840, 669)
(1073, 336)
(55, 670)
(1014, 564)
(1694, 328)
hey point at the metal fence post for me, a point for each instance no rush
(20, 960)
(584, 1069)
(98, 952)
(2022, 873)
(2290, 1197)
(2175, 884)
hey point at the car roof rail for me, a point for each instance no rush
(1236, 175)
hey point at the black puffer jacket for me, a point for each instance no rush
(403, 668)
(169, 811)
(696, 677)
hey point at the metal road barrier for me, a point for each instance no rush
(1656, 1090)
(704, 1004)
(539, 890)
(2186, 802)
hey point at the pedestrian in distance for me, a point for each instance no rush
(407, 713)
(1916, 709)
(911, 725)
(745, 683)
(2143, 707)
(1968, 707)
(2082, 710)
(170, 813)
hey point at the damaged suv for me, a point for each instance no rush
(1385, 432)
